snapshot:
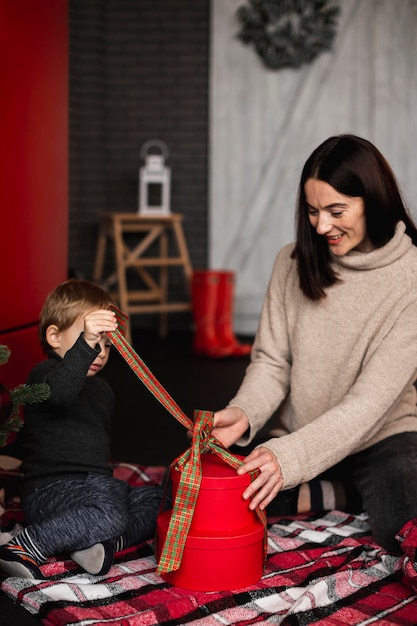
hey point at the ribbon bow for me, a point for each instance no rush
(188, 463)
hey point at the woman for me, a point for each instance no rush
(336, 347)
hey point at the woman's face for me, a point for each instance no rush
(339, 219)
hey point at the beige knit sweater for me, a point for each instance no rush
(345, 364)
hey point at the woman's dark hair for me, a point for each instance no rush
(354, 167)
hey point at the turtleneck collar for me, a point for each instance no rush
(392, 251)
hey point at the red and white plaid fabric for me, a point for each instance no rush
(324, 570)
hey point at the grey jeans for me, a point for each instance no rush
(385, 475)
(72, 515)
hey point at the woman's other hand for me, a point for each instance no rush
(269, 481)
(229, 425)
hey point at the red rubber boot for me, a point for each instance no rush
(224, 317)
(204, 290)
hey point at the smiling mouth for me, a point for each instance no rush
(335, 239)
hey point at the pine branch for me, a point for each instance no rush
(30, 394)
(20, 395)
(13, 425)
(4, 354)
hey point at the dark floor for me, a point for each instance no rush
(144, 431)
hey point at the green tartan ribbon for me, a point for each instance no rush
(188, 463)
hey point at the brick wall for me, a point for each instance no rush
(138, 70)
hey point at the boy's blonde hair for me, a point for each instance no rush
(67, 302)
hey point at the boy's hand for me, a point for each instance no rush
(98, 322)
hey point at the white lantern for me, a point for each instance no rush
(154, 179)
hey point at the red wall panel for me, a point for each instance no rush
(33, 169)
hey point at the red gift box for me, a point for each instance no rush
(224, 549)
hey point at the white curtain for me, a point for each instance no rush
(265, 123)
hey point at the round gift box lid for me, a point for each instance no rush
(217, 474)
(220, 505)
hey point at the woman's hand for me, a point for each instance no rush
(229, 425)
(269, 481)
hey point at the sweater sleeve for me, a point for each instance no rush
(65, 376)
(372, 404)
(266, 381)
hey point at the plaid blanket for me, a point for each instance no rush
(320, 569)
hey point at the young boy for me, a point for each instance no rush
(70, 499)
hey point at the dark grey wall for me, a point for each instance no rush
(138, 70)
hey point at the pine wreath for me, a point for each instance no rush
(288, 33)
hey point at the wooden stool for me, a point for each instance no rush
(153, 297)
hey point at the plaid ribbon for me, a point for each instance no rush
(188, 463)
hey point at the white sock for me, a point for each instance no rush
(91, 559)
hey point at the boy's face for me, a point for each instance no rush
(65, 339)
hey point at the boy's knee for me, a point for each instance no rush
(108, 518)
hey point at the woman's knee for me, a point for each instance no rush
(386, 476)
(385, 533)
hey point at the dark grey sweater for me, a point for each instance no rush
(68, 435)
